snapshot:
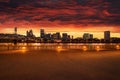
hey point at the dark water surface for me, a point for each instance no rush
(59, 61)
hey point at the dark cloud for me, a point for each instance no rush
(95, 12)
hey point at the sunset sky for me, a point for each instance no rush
(73, 16)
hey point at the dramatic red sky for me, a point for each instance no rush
(73, 16)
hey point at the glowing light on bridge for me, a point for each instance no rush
(117, 47)
(60, 48)
(98, 48)
(85, 48)
(23, 49)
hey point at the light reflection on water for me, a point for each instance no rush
(58, 47)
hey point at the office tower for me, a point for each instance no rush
(54, 37)
(58, 37)
(27, 33)
(107, 36)
(42, 33)
(48, 36)
(30, 33)
(69, 37)
(72, 37)
(87, 36)
(15, 29)
(91, 36)
(64, 36)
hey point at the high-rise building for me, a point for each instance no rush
(58, 37)
(27, 33)
(48, 36)
(72, 37)
(91, 36)
(69, 37)
(106, 36)
(87, 36)
(42, 33)
(30, 33)
(64, 36)
(54, 36)
(15, 29)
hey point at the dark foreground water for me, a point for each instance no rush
(59, 61)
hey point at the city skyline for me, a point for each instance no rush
(57, 37)
(60, 15)
(96, 34)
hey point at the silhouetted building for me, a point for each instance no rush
(115, 40)
(58, 37)
(72, 37)
(64, 36)
(48, 36)
(69, 37)
(91, 36)
(42, 33)
(30, 33)
(53, 36)
(15, 29)
(106, 36)
(87, 36)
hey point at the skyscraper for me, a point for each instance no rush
(15, 29)
(42, 33)
(107, 36)
(87, 36)
(91, 36)
(48, 36)
(27, 33)
(64, 36)
(58, 37)
(30, 33)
